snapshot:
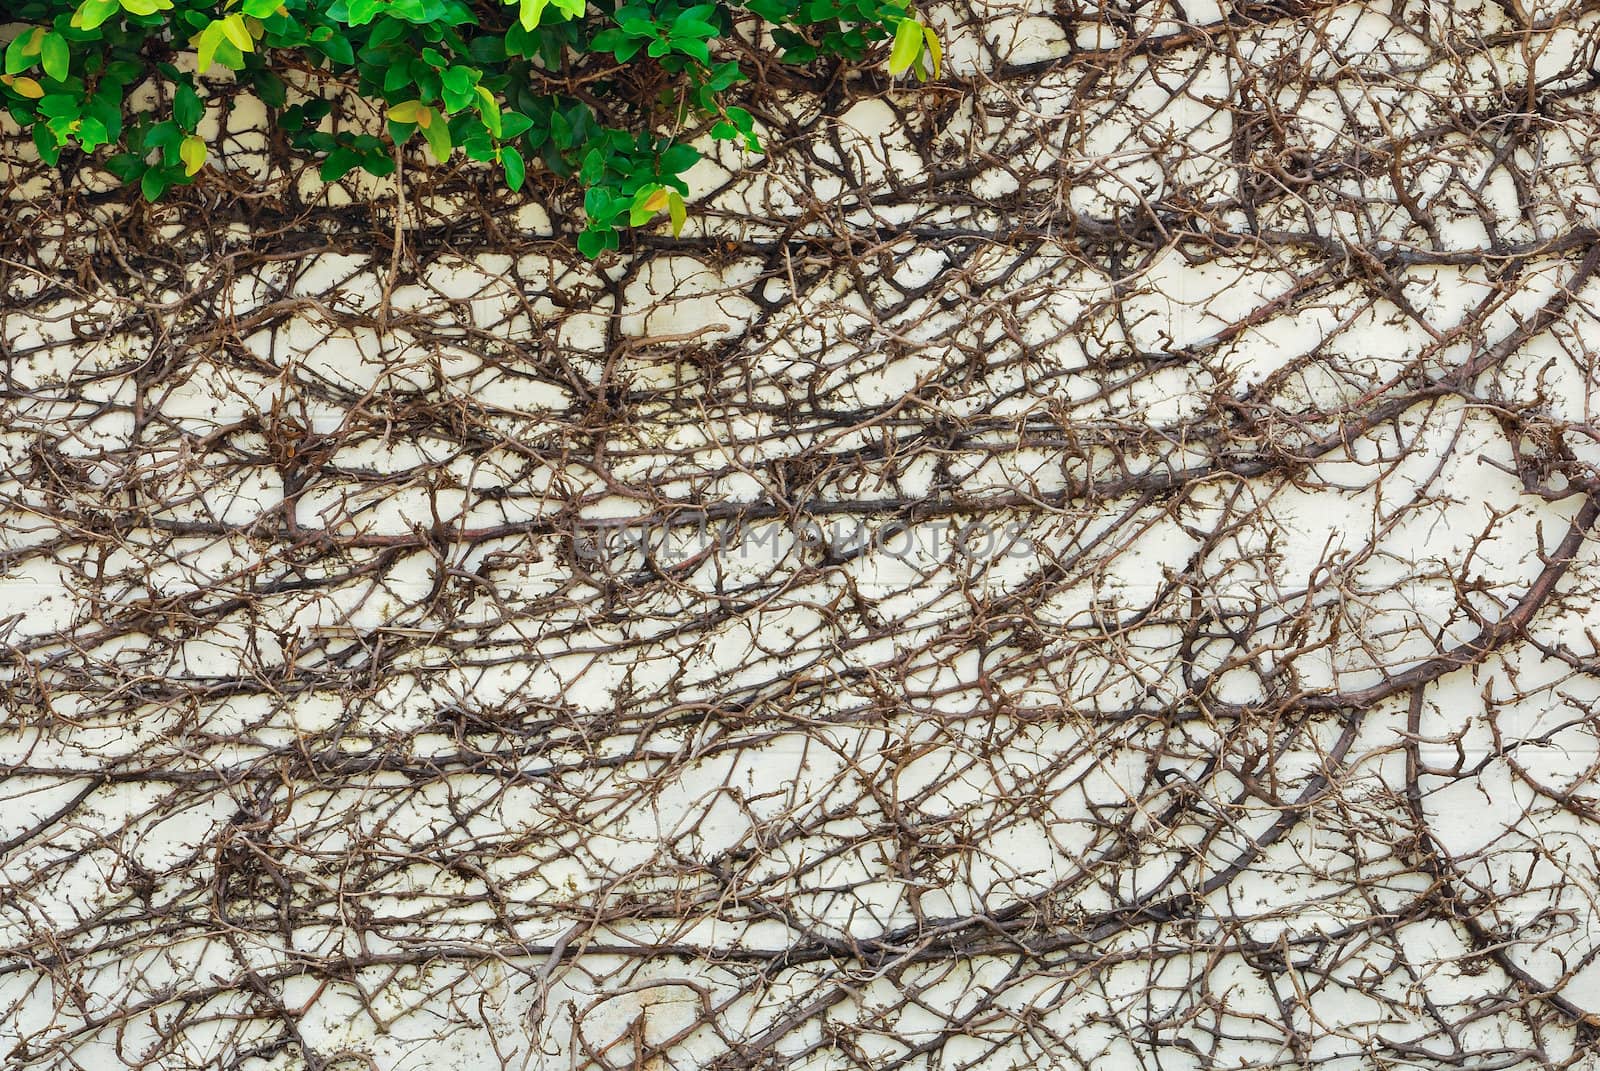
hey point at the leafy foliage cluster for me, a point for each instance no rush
(608, 91)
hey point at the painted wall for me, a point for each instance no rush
(1089, 563)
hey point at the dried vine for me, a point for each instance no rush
(1090, 563)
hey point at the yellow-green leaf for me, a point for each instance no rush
(530, 13)
(91, 13)
(206, 46)
(437, 135)
(54, 55)
(234, 29)
(935, 49)
(907, 46)
(409, 111)
(145, 7)
(678, 211)
(647, 201)
(32, 42)
(489, 109)
(192, 151)
(24, 85)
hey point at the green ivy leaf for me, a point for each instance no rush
(186, 108)
(126, 166)
(908, 41)
(92, 133)
(339, 50)
(91, 14)
(514, 125)
(339, 163)
(678, 211)
(690, 47)
(54, 56)
(592, 242)
(459, 86)
(436, 131)
(516, 169)
(271, 89)
(23, 51)
(47, 143)
(154, 184)
(69, 73)
(361, 12)
(60, 106)
(680, 158)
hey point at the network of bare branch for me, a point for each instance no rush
(1088, 563)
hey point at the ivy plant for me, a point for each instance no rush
(608, 92)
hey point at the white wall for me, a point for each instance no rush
(1255, 726)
